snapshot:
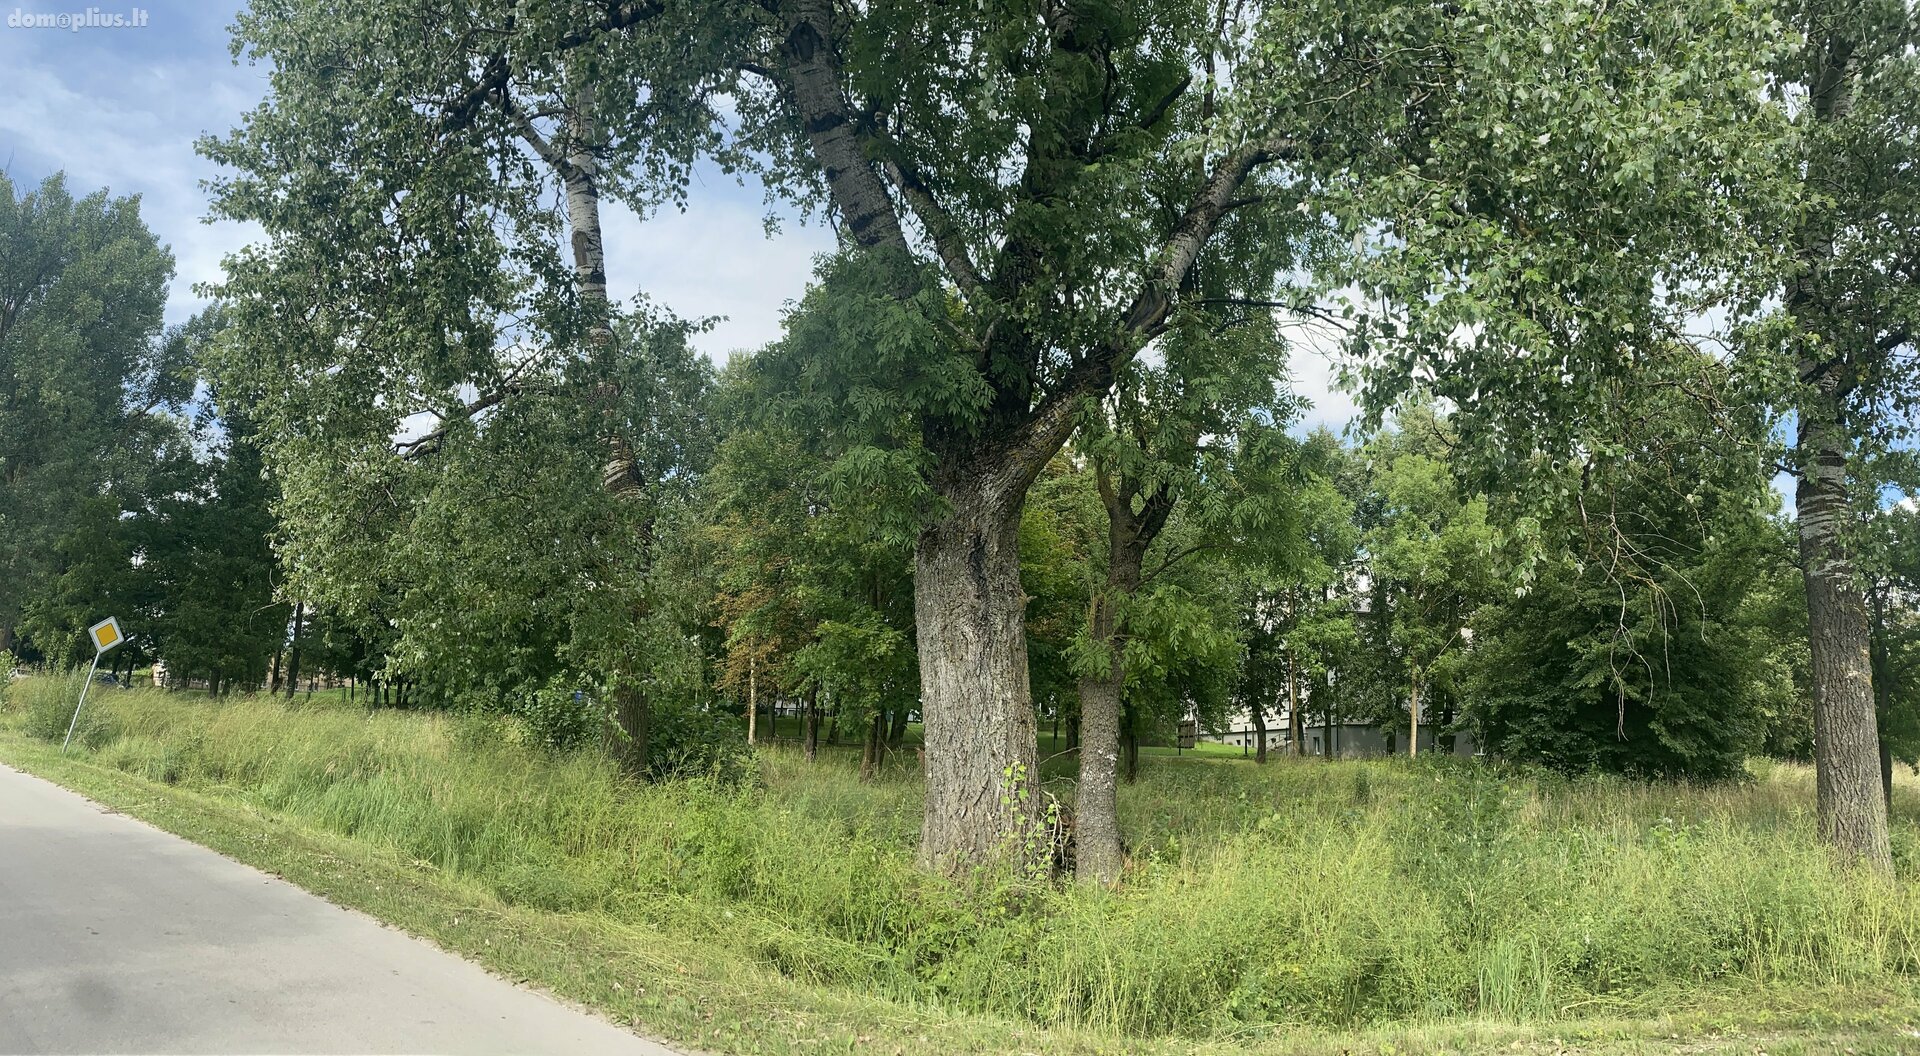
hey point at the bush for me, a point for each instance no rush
(560, 716)
(684, 740)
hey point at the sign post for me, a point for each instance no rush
(105, 635)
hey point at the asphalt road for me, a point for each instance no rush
(117, 937)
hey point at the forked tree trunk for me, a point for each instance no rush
(1850, 803)
(1098, 857)
(982, 765)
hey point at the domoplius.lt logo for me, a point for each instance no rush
(75, 21)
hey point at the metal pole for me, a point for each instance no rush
(83, 702)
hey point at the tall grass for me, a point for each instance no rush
(1299, 892)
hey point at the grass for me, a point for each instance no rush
(1298, 907)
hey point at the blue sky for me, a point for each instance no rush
(121, 109)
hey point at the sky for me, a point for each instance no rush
(121, 108)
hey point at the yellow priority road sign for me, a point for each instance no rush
(105, 634)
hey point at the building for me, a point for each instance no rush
(1342, 740)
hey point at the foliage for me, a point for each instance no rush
(811, 555)
(1637, 637)
(1431, 556)
(87, 381)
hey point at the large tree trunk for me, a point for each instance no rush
(1846, 736)
(1851, 810)
(753, 696)
(1257, 710)
(898, 732)
(983, 796)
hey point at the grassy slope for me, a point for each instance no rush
(666, 971)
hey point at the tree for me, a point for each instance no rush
(1024, 141)
(813, 571)
(1037, 186)
(86, 377)
(1752, 134)
(207, 557)
(1150, 448)
(1298, 613)
(1636, 639)
(1851, 286)
(1431, 557)
(1892, 554)
(431, 319)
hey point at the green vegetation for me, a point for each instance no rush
(1358, 895)
(1021, 487)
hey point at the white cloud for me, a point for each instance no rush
(715, 259)
(91, 105)
(1313, 366)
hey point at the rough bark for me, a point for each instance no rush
(1097, 854)
(631, 714)
(1851, 809)
(983, 797)
(1257, 710)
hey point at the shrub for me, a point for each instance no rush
(560, 716)
(684, 740)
